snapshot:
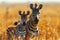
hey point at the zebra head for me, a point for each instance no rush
(24, 17)
(35, 11)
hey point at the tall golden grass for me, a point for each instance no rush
(48, 26)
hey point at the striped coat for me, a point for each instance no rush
(20, 29)
(32, 29)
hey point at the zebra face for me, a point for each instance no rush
(35, 17)
(35, 11)
(24, 17)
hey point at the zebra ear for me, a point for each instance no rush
(19, 12)
(31, 6)
(28, 12)
(40, 6)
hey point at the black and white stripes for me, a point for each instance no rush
(26, 29)
(19, 30)
(32, 29)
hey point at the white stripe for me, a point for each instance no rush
(38, 16)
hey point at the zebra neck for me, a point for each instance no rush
(32, 24)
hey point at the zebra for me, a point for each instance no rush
(31, 27)
(19, 30)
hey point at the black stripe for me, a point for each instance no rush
(31, 25)
(32, 30)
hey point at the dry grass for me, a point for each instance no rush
(49, 24)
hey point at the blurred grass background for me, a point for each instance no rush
(49, 24)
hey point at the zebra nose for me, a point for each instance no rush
(24, 23)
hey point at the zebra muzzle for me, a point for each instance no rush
(24, 23)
